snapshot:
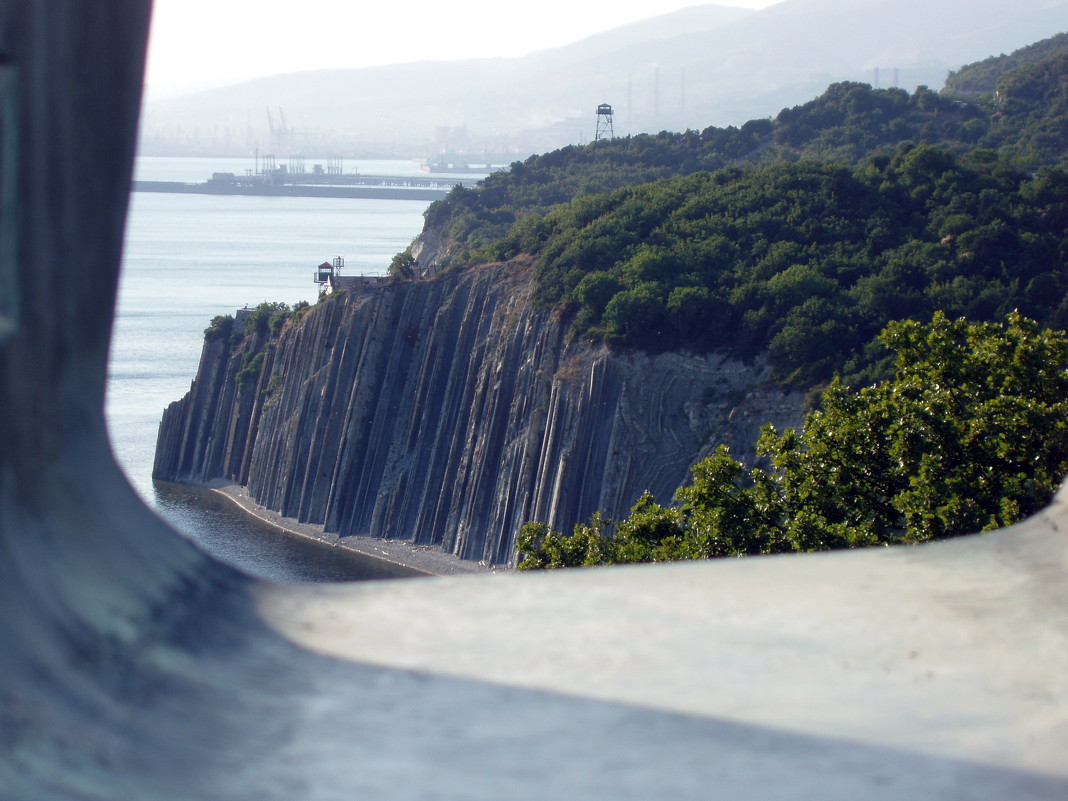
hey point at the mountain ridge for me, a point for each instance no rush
(738, 69)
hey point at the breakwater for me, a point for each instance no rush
(450, 411)
(378, 192)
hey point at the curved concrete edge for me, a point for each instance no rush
(956, 649)
(134, 668)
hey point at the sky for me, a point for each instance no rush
(197, 44)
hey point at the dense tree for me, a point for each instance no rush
(982, 77)
(971, 434)
(803, 262)
(402, 267)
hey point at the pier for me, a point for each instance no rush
(272, 180)
(371, 187)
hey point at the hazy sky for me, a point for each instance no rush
(200, 43)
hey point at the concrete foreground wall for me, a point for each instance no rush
(134, 667)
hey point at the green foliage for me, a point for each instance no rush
(267, 318)
(220, 327)
(402, 268)
(250, 372)
(300, 308)
(264, 322)
(548, 549)
(970, 435)
(805, 262)
(982, 77)
(1031, 119)
(272, 385)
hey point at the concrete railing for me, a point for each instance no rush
(134, 667)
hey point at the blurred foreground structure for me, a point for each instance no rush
(134, 667)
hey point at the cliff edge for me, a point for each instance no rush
(450, 411)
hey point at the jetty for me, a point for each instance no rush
(380, 192)
(269, 179)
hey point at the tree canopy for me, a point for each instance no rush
(803, 262)
(982, 77)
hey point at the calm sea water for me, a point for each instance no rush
(190, 257)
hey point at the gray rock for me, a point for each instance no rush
(450, 411)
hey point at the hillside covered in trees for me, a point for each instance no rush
(805, 262)
(847, 124)
(982, 77)
(800, 237)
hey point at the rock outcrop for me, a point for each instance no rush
(450, 411)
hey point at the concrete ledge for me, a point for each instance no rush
(133, 667)
(952, 650)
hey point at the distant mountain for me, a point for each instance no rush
(704, 65)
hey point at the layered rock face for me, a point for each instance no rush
(450, 411)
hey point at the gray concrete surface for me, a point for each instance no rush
(134, 667)
(955, 650)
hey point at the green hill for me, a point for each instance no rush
(799, 237)
(805, 262)
(982, 77)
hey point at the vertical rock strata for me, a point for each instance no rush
(450, 411)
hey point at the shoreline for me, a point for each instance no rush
(427, 559)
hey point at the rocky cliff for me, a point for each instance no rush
(450, 411)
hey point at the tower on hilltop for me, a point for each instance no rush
(604, 123)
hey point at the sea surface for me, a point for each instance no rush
(191, 257)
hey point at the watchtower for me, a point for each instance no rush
(604, 123)
(325, 271)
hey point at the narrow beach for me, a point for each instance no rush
(428, 559)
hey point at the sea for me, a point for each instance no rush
(188, 258)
